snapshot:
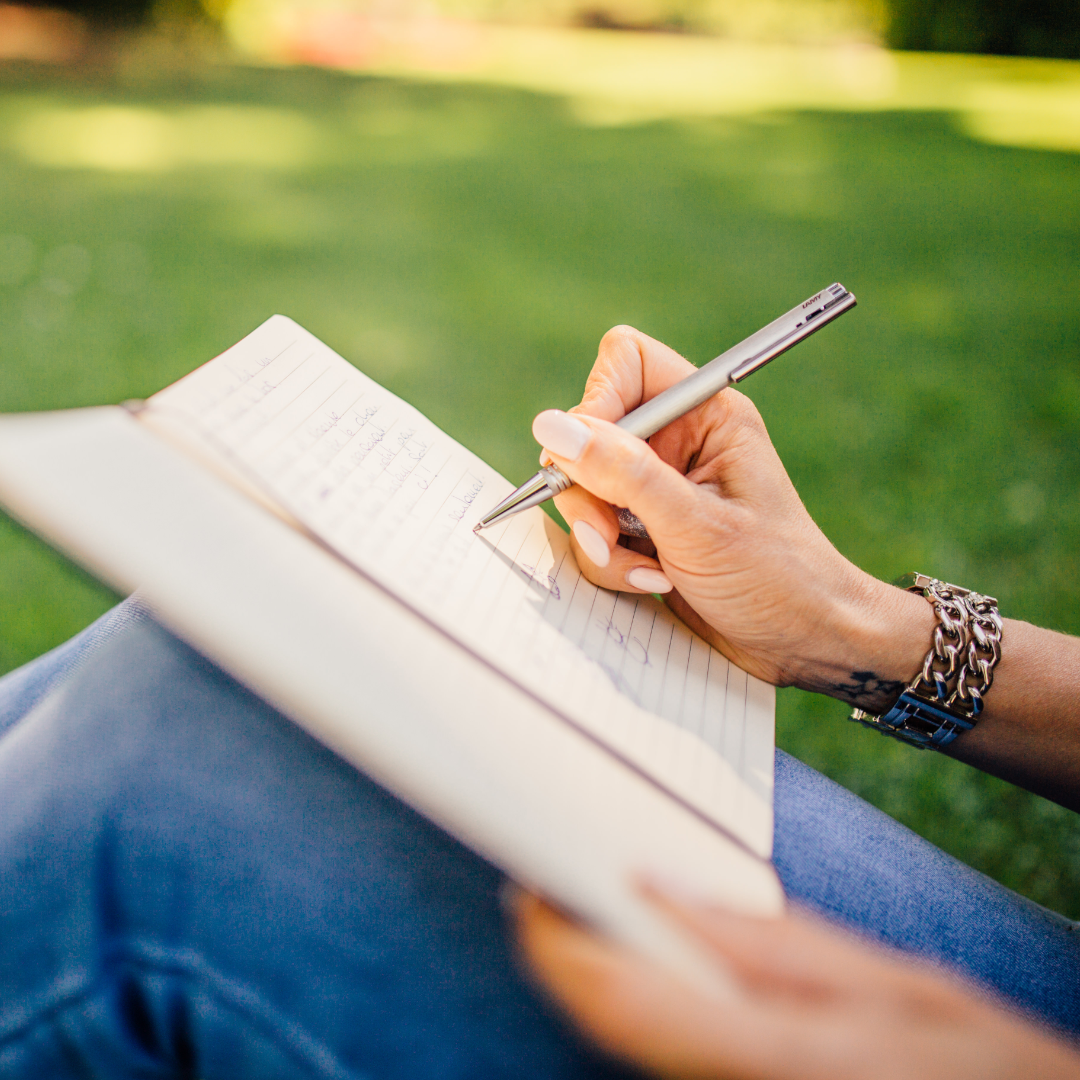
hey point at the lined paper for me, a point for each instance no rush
(397, 497)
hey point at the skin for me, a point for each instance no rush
(754, 575)
(812, 1004)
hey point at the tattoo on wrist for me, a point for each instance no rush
(867, 690)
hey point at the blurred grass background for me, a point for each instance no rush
(468, 244)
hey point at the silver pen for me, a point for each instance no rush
(726, 370)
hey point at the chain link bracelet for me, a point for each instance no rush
(947, 695)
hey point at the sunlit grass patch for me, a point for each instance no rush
(126, 138)
(618, 78)
(1038, 116)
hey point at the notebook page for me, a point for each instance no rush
(397, 497)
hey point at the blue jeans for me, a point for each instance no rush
(191, 886)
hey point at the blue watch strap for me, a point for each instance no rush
(916, 722)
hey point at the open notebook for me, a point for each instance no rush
(312, 533)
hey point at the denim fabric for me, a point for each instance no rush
(849, 861)
(21, 690)
(191, 886)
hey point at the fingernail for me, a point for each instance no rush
(545, 458)
(561, 434)
(648, 580)
(592, 543)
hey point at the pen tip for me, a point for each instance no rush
(477, 527)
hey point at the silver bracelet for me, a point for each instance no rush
(947, 695)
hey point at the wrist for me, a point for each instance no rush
(880, 637)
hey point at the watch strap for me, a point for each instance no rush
(918, 723)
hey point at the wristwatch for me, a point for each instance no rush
(946, 697)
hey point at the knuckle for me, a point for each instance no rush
(739, 404)
(742, 415)
(620, 346)
(586, 566)
(618, 334)
(599, 389)
(742, 408)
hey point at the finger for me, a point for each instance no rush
(619, 469)
(630, 368)
(627, 571)
(628, 1005)
(576, 504)
(594, 539)
(635, 1009)
(797, 955)
(765, 948)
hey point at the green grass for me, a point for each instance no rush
(468, 247)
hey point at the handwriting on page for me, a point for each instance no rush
(396, 496)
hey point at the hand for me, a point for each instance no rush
(742, 563)
(736, 553)
(811, 1004)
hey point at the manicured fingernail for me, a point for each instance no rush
(592, 543)
(648, 580)
(561, 434)
(545, 458)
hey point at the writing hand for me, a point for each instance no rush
(745, 565)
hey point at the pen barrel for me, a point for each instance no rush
(738, 362)
(676, 401)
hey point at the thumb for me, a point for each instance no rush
(617, 467)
